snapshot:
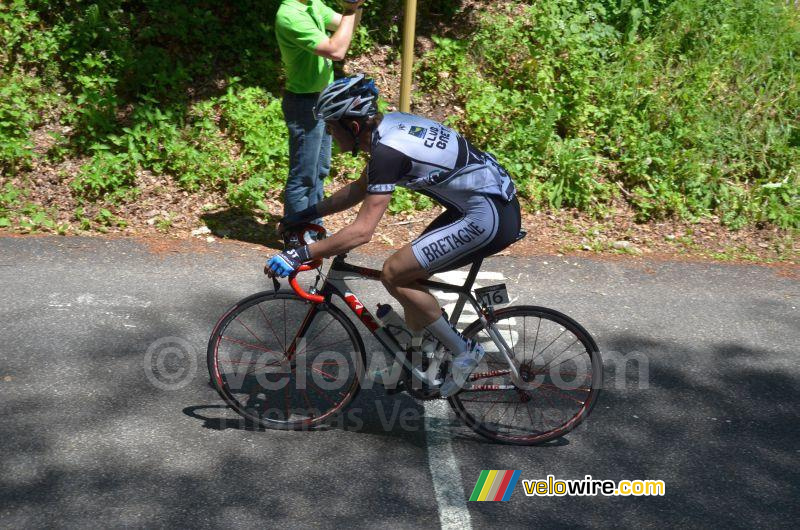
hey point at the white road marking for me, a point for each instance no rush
(451, 498)
(88, 299)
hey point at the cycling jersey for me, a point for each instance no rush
(425, 156)
(419, 154)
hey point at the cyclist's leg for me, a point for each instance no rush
(510, 225)
(422, 311)
(452, 240)
(489, 225)
(400, 274)
(401, 271)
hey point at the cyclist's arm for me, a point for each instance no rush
(356, 234)
(344, 198)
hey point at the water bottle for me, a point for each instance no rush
(394, 323)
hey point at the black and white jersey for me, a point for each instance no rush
(423, 155)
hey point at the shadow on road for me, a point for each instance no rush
(716, 420)
(234, 223)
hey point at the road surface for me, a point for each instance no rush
(89, 440)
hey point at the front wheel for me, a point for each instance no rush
(560, 364)
(283, 362)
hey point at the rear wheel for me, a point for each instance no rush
(283, 362)
(556, 357)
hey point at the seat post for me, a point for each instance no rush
(462, 299)
(473, 272)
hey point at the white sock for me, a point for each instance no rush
(447, 335)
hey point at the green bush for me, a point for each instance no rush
(690, 106)
(253, 117)
(683, 108)
(249, 195)
(107, 173)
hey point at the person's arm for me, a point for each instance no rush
(335, 47)
(336, 19)
(356, 234)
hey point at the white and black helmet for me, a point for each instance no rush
(349, 97)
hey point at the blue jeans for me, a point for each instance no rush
(309, 153)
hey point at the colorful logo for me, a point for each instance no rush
(417, 131)
(494, 485)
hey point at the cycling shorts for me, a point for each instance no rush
(486, 225)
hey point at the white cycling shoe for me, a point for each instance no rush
(461, 368)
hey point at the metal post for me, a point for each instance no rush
(409, 25)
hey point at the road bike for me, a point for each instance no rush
(292, 359)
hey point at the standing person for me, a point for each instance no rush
(482, 215)
(307, 53)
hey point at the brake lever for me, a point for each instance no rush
(276, 284)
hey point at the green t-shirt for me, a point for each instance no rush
(300, 28)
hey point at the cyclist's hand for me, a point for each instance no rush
(288, 261)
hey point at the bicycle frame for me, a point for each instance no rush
(336, 285)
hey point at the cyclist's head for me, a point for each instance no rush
(349, 107)
(354, 97)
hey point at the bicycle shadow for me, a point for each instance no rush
(386, 416)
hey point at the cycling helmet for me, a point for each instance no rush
(349, 97)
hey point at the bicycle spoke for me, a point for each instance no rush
(562, 352)
(551, 343)
(551, 406)
(283, 345)
(536, 340)
(317, 370)
(524, 335)
(466, 400)
(249, 352)
(569, 359)
(250, 331)
(317, 335)
(253, 346)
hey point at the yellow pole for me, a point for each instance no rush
(409, 24)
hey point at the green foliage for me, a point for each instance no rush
(16, 120)
(681, 107)
(10, 200)
(688, 106)
(105, 174)
(15, 210)
(249, 195)
(253, 117)
(404, 201)
(108, 219)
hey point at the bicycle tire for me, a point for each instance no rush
(229, 394)
(484, 428)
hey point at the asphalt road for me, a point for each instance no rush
(88, 440)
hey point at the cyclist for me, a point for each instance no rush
(482, 213)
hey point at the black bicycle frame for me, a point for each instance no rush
(331, 287)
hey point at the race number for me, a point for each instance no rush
(492, 295)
